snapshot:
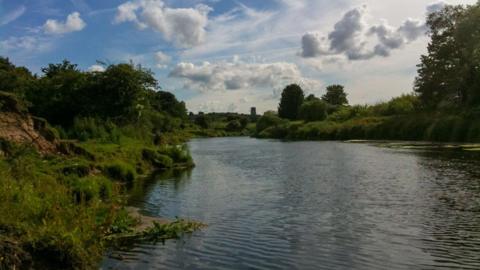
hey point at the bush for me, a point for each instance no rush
(234, 126)
(89, 188)
(202, 121)
(81, 169)
(314, 110)
(178, 153)
(88, 128)
(120, 171)
(160, 161)
(268, 119)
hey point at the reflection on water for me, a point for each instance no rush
(315, 205)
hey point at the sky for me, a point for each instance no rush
(224, 55)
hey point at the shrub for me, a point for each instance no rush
(88, 128)
(268, 119)
(157, 159)
(89, 188)
(79, 169)
(233, 126)
(120, 171)
(314, 110)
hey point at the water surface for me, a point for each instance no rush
(315, 205)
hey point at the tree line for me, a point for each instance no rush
(70, 98)
(443, 106)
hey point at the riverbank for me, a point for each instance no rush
(412, 127)
(59, 210)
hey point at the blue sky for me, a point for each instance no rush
(222, 55)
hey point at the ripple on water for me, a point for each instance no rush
(312, 205)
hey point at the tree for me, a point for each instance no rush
(167, 102)
(437, 80)
(14, 79)
(202, 121)
(312, 97)
(292, 99)
(120, 91)
(335, 95)
(314, 110)
(449, 74)
(58, 95)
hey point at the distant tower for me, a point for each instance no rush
(253, 112)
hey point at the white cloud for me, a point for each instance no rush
(185, 27)
(73, 23)
(222, 76)
(351, 37)
(13, 15)
(162, 59)
(96, 68)
(25, 43)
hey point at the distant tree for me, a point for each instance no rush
(202, 121)
(54, 69)
(314, 110)
(234, 125)
(292, 99)
(335, 95)
(268, 119)
(312, 97)
(167, 102)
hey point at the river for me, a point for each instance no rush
(315, 205)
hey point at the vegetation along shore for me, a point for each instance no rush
(445, 104)
(74, 144)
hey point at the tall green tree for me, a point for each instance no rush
(14, 79)
(58, 95)
(437, 80)
(449, 74)
(167, 102)
(120, 91)
(335, 95)
(292, 99)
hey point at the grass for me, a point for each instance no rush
(419, 127)
(59, 210)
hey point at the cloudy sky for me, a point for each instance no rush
(229, 55)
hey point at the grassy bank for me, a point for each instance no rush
(74, 145)
(414, 127)
(57, 210)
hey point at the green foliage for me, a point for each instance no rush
(165, 101)
(121, 171)
(178, 153)
(171, 230)
(202, 121)
(59, 96)
(90, 188)
(335, 95)
(120, 91)
(234, 125)
(123, 223)
(14, 79)
(157, 159)
(314, 110)
(89, 128)
(448, 75)
(292, 99)
(268, 119)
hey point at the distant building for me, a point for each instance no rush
(253, 112)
